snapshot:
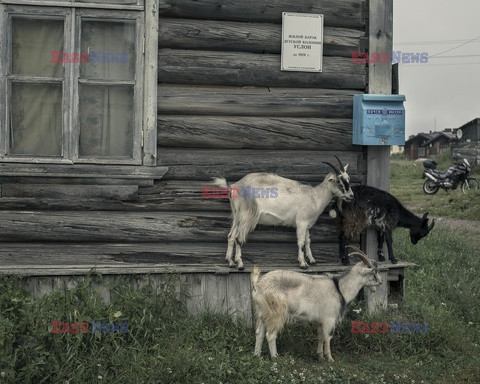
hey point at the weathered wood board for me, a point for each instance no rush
(321, 134)
(141, 227)
(203, 164)
(267, 101)
(245, 37)
(350, 14)
(176, 66)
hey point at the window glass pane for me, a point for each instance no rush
(106, 121)
(34, 43)
(111, 49)
(36, 119)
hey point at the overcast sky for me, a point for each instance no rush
(446, 90)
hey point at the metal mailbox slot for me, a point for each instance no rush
(378, 119)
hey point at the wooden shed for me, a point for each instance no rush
(102, 159)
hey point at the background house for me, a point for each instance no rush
(426, 145)
(468, 145)
(471, 131)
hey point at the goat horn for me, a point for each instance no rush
(358, 252)
(430, 227)
(337, 171)
(340, 163)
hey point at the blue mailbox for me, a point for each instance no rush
(378, 119)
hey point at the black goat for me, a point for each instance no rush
(373, 208)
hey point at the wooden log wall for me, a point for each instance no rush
(224, 109)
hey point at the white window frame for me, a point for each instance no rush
(145, 89)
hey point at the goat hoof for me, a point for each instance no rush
(304, 267)
(314, 262)
(394, 261)
(241, 267)
(381, 258)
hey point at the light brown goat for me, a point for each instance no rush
(280, 296)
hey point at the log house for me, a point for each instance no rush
(200, 96)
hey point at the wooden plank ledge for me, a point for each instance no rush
(82, 171)
(40, 259)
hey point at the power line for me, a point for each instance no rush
(458, 46)
(428, 65)
(452, 56)
(431, 42)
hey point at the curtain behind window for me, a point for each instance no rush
(107, 110)
(36, 105)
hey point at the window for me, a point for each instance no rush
(421, 151)
(72, 83)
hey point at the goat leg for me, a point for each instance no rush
(380, 241)
(238, 256)
(272, 343)
(259, 336)
(389, 239)
(328, 329)
(308, 250)
(320, 342)
(301, 234)
(231, 242)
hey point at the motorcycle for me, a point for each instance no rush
(448, 180)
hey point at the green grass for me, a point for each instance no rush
(406, 184)
(165, 344)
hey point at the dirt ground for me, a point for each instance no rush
(470, 225)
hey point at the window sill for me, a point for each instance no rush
(82, 171)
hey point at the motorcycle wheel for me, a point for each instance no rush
(469, 185)
(430, 187)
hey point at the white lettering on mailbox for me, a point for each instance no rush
(384, 112)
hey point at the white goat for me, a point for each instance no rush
(295, 205)
(280, 296)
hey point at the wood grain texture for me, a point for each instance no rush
(249, 69)
(149, 149)
(255, 133)
(378, 157)
(81, 171)
(254, 101)
(140, 227)
(348, 14)
(165, 195)
(204, 164)
(49, 191)
(37, 259)
(246, 37)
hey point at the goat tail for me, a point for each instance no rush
(271, 307)
(273, 311)
(220, 182)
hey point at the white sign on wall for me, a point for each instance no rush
(302, 42)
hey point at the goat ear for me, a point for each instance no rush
(424, 215)
(332, 178)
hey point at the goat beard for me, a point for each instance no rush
(372, 288)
